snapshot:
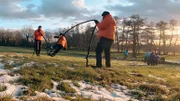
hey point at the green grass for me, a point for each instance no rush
(71, 66)
(75, 83)
(6, 97)
(2, 87)
(64, 86)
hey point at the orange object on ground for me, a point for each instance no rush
(39, 35)
(62, 41)
(107, 28)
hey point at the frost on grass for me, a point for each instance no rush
(90, 91)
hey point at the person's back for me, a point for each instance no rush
(107, 28)
(62, 41)
(146, 56)
(61, 44)
(106, 36)
(126, 53)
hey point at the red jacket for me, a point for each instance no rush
(107, 28)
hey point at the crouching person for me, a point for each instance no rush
(61, 44)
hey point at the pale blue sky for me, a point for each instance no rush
(53, 14)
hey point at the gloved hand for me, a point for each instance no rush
(96, 21)
(65, 49)
(56, 36)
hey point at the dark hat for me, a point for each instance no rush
(105, 13)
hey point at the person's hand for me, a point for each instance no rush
(56, 36)
(65, 49)
(96, 21)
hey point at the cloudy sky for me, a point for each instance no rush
(52, 14)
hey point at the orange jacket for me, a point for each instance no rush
(62, 41)
(38, 35)
(107, 27)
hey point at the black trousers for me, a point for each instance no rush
(56, 48)
(38, 47)
(104, 44)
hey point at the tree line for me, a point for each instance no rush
(138, 34)
(133, 33)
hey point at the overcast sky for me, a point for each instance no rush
(52, 14)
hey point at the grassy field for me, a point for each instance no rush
(155, 83)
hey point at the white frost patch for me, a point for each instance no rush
(29, 64)
(94, 92)
(155, 77)
(171, 61)
(1, 65)
(10, 62)
(12, 89)
(7, 78)
(137, 64)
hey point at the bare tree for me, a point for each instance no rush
(162, 27)
(148, 35)
(28, 33)
(172, 28)
(136, 23)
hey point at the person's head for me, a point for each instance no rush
(39, 27)
(152, 53)
(105, 13)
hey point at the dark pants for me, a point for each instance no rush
(104, 44)
(125, 57)
(38, 47)
(55, 49)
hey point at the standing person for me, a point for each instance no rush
(146, 56)
(126, 53)
(38, 37)
(62, 44)
(106, 36)
(156, 59)
(151, 59)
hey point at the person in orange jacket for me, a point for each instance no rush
(61, 44)
(106, 36)
(38, 37)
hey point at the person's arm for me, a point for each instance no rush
(42, 33)
(56, 36)
(103, 24)
(35, 35)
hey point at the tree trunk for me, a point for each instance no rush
(134, 44)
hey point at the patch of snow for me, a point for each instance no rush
(30, 64)
(10, 62)
(95, 92)
(1, 65)
(7, 78)
(135, 63)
